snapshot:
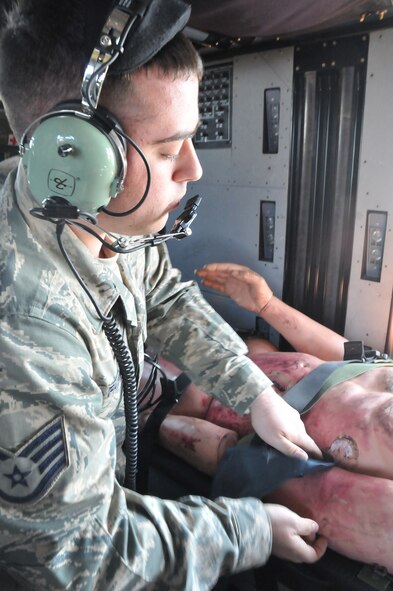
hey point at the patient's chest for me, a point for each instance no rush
(353, 422)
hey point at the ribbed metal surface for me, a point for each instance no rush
(329, 82)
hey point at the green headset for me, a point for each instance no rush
(75, 156)
(77, 153)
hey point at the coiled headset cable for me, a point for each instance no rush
(127, 372)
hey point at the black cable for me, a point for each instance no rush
(149, 388)
(57, 212)
(148, 180)
(153, 240)
(57, 209)
(127, 372)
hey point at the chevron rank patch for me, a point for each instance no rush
(26, 475)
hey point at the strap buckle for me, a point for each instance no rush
(172, 389)
(356, 351)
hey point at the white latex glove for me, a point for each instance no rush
(280, 425)
(294, 537)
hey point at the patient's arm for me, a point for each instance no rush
(250, 290)
(302, 332)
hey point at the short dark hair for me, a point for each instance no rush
(178, 59)
(43, 56)
(39, 67)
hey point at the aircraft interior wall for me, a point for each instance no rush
(237, 178)
(369, 302)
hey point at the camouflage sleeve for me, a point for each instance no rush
(185, 329)
(65, 521)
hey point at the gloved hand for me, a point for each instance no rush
(294, 537)
(280, 425)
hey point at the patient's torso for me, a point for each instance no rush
(353, 420)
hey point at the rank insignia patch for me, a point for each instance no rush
(27, 474)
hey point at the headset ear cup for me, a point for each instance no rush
(108, 123)
(76, 157)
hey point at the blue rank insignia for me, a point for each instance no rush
(27, 474)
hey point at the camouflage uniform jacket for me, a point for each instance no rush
(65, 520)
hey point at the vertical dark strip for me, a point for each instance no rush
(329, 85)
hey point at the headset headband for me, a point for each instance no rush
(109, 46)
(153, 22)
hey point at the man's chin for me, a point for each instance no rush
(160, 227)
(127, 228)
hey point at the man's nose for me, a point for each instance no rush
(188, 166)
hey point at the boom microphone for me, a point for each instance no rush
(57, 209)
(180, 229)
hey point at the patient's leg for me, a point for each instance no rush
(257, 345)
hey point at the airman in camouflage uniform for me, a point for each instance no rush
(66, 521)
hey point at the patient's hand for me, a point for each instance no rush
(244, 286)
